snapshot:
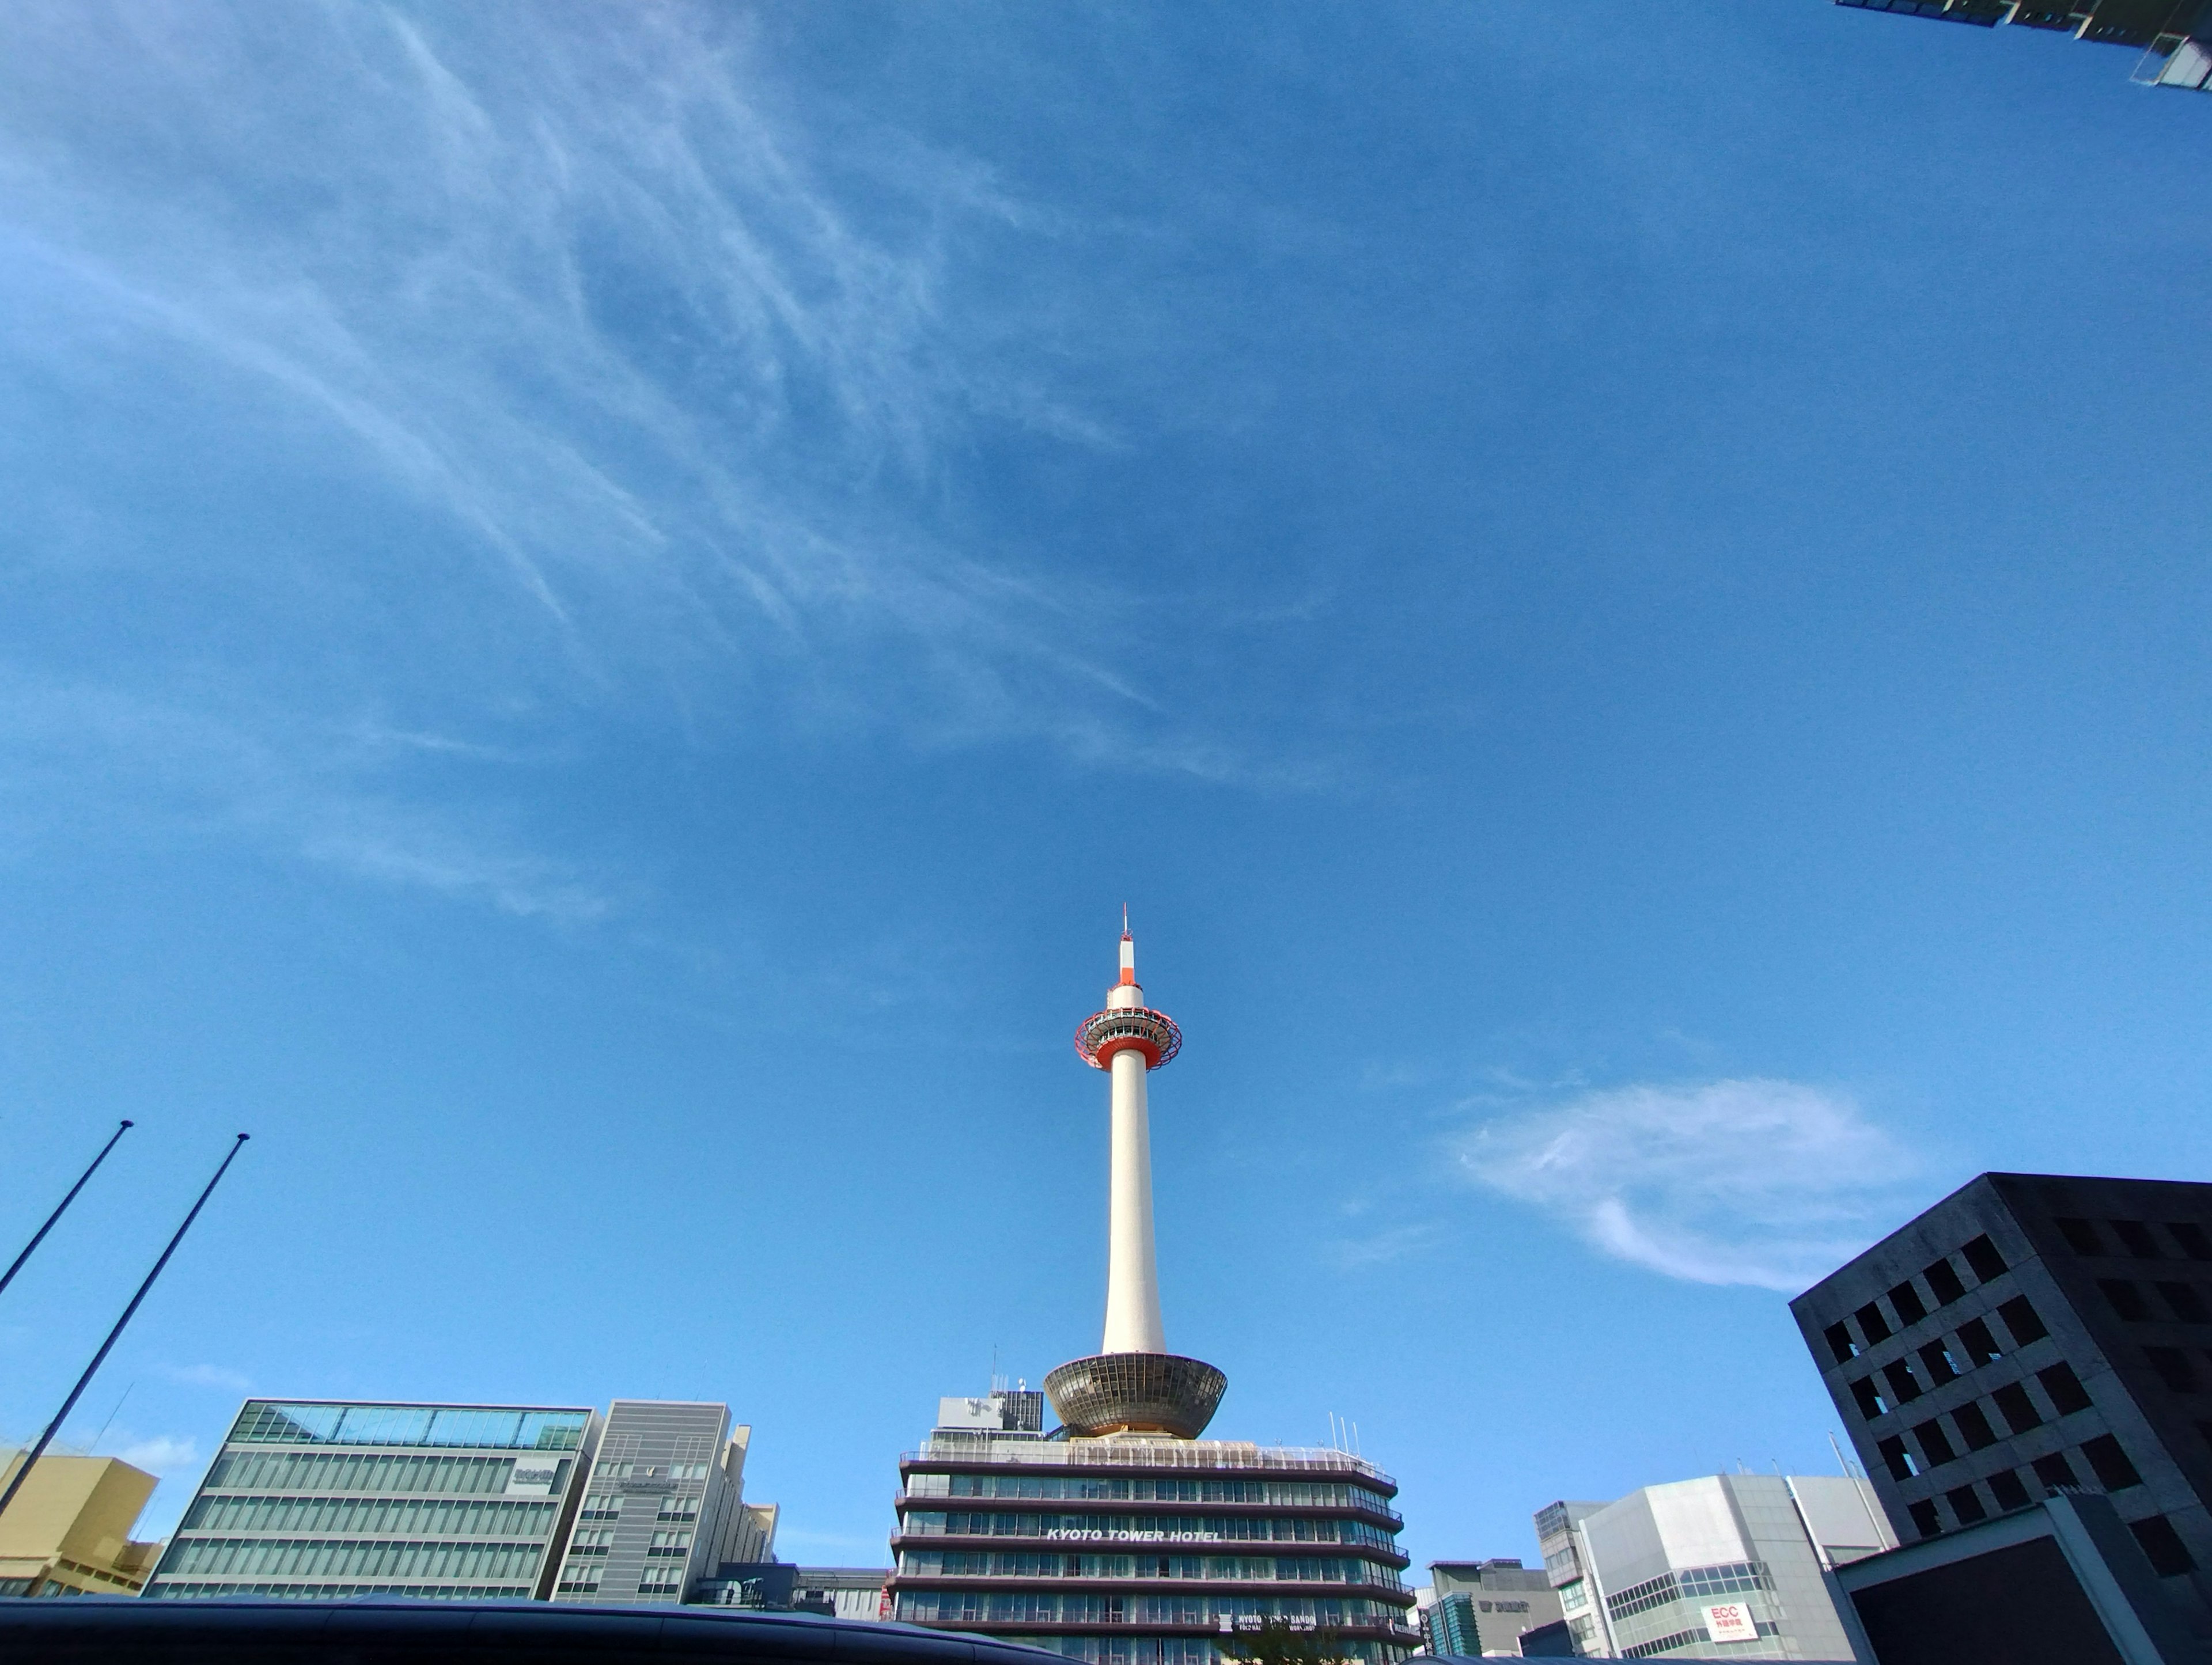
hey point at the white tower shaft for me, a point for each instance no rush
(1132, 1279)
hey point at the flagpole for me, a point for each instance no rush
(9, 1276)
(101, 1358)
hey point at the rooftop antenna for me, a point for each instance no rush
(113, 1335)
(9, 1276)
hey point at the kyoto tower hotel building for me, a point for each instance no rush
(1122, 1537)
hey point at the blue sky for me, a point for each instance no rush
(600, 608)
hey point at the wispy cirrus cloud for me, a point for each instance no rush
(296, 788)
(503, 366)
(1764, 1183)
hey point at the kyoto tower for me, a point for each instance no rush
(1134, 1385)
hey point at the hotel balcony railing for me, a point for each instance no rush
(1152, 1454)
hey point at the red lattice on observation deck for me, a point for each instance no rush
(1128, 1029)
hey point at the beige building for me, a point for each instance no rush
(68, 1532)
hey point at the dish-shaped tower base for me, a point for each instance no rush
(1136, 1393)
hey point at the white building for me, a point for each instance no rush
(1741, 1559)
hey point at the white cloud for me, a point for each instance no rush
(208, 1375)
(162, 1455)
(1770, 1183)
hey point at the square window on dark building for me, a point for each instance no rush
(2081, 1235)
(1923, 1516)
(2054, 1471)
(2110, 1464)
(1941, 1367)
(1869, 1399)
(1872, 1324)
(2172, 1367)
(2017, 1408)
(2169, 1555)
(2023, 1320)
(2067, 1394)
(1906, 1301)
(2009, 1490)
(1966, 1504)
(1974, 1427)
(1898, 1459)
(1902, 1383)
(1935, 1444)
(1981, 1347)
(2194, 1243)
(2187, 1302)
(1982, 1255)
(2126, 1298)
(1839, 1337)
(1943, 1279)
(2137, 1236)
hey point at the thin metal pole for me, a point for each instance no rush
(9, 1276)
(101, 1358)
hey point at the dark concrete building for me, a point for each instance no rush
(2062, 1584)
(2173, 37)
(2032, 1335)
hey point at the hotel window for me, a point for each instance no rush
(683, 1507)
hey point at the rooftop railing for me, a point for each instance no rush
(1207, 1453)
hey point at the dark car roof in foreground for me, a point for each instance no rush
(394, 1630)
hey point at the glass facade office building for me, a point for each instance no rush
(1146, 1551)
(326, 1499)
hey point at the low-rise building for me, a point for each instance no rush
(1743, 1559)
(663, 1507)
(1482, 1607)
(324, 1499)
(67, 1531)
